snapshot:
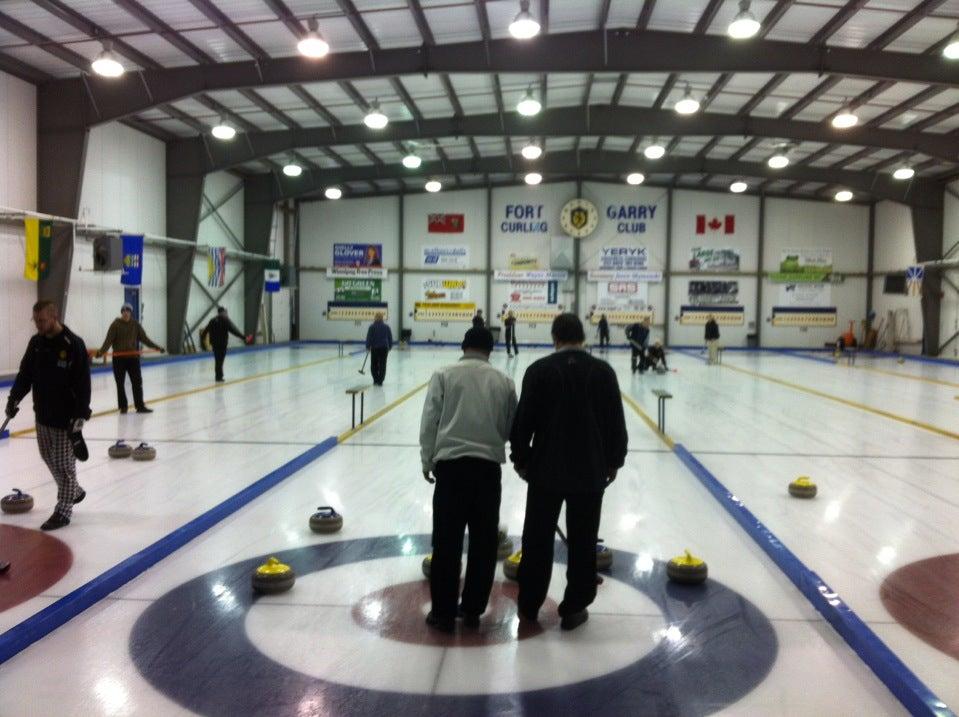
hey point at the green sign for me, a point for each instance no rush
(358, 290)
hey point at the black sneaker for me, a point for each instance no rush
(469, 619)
(80, 497)
(220, 380)
(443, 625)
(528, 615)
(574, 620)
(55, 521)
(123, 410)
(144, 409)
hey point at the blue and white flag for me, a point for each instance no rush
(914, 277)
(132, 259)
(216, 266)
(271, 277)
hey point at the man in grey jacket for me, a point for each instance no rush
(466, 421)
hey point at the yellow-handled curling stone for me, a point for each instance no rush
(511, 565)
(687, 569)
(326, 520)
(802, 487)
(273, 577)
(428, 565)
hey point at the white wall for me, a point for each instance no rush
(18, 190)
(896, 250)
(949, 318)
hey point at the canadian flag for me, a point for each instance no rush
(706, 224)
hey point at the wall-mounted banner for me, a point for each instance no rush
(445, 290)
(509, 275)
(803, 265)
(805, 295)
(542, 315)
(724, 315)
(446, 257)
(602, 275)
(798, 316)
(914, 277)
(38, 248)
(432, 311)
(623, 258)
(358, 255)
(366, 272)
(709, 259)
(709, 293)
(350, 311)
(216, 266)
(523, 261)
(445, 223)
(533, 293)
(132, 272)
(631, 218)
(271, 276)
(363, 291)
(621, 318)
(524, 219)
(707, 224)
(622, 296)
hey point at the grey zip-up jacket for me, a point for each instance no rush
(468, 412)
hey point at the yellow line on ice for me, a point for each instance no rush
(379, 414)
(202, 389)
(909, 376)
(647, 420)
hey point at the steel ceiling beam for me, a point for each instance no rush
(621, 51)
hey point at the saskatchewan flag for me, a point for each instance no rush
(39, 238)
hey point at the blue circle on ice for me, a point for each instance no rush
(192, 646)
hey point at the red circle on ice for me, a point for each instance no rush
(37, 561)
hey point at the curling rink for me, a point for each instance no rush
(186, 635)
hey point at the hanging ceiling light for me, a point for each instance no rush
(533, 178)
(412, 161)
(529, 105)
(222, 130)
(738, 187)
(654, 151)
(843, 195)
(106, 63)
(745, 24)
(524, 25)
(531, 150)
(374, 118)
(312, 43)
(951, 50)
(333, 193)
(433, 185)
(779, 160)
(904, 172)
(292, 170)
(688, 104)
(845, 119)
(635, 178)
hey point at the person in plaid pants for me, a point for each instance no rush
(56, 368)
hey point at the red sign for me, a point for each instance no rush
(446, 223)
(706, 224)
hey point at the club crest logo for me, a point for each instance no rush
(579, 218)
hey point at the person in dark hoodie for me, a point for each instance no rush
(712, 338)
(603, 331)
(123, 335)
(218, 332)
(567, 442)
(379, 341)
(56, 368)
(638, 336)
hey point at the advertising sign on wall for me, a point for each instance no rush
(446, 257)
(433, 311)
(623, 258)
(445, 290)
(724, 315)
(713, 259)
(622, 296)
(805, 295)
(533, 293)
(804, 265)
(354, 311)
(506, 275)
(358, 255)
(604, 275)
(358, 290)
(709, 293)
(445, 223)
(523, 261)
(804, 303)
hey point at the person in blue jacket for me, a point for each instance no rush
(379, 341)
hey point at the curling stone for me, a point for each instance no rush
(660, 370)
(604, 557)
(687, 570)
(326, 520)
(143, 452)
(505, 545)
(273, 577)
(16, 502)
(428, 564)
(120, 450)
(802, 487)
(511, 565)
(901, 360)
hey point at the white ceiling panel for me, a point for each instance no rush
(42, 60)
(677, 16)
(801, 22)
(217, 44)
(394, 28)
(179, 14)
(306, 118)
(39, 20)
(618, 144)
(569, 15)
(456, 23)
(923, 35)
(945, 99)
(161, 51)
(864, 27)
(436, 107)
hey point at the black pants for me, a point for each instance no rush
(467, 494)
(582, 531)
(378, 364)
(219, 353)
(511, 339)
(638, 357)
(121, 367)
(604, 337)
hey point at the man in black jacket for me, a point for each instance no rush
(603, 331)
(56, 368)
(638, 336)
(712, 338)
(568, 442)
(218, 331)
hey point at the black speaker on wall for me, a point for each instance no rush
(107, 253)
(894, 284)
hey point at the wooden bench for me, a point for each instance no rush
(661, 397)
(361, 390)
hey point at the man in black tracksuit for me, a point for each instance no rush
(510, 323)
(56, 368)
(218, 331)
(379, 342)
(638, 335)
(603, 332)
(568, 441)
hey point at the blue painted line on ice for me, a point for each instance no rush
(914, 695)
(69, 606)
(794, 353)
(911, 357)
